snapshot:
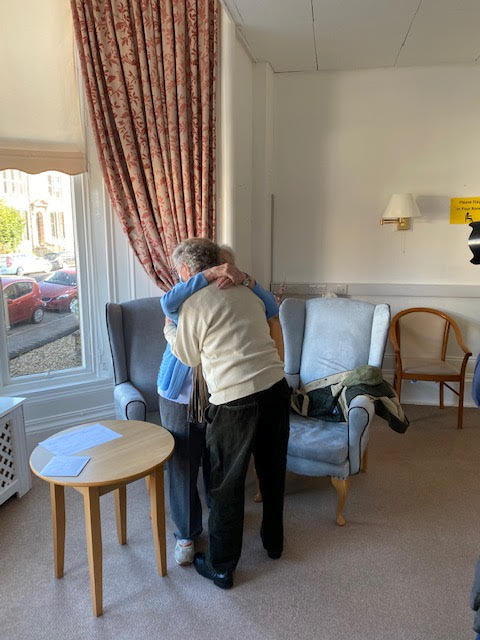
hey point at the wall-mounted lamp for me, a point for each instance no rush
(400, 209)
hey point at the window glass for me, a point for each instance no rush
(23, 288)
(37, 257)
(11, 292)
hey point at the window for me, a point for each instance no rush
(38, 273)
(53, 224)
(61, 223)
(54, 185)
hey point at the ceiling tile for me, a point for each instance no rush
(277, 31)
(444, 31)
(362, 34)
(358, 34)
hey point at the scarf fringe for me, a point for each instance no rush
(199, 396)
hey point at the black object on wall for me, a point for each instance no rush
(474, 242)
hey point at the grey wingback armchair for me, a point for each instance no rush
(323, 336)
(135, 331)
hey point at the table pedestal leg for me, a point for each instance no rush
(57, 499)
(121, 514)
(91, 502)
(157, 511)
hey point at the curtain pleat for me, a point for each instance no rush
(149, 70)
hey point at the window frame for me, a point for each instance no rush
(90, 369)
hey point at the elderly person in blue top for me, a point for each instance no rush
(175, 384)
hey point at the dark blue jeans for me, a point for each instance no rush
(183, 467)
(258, 423)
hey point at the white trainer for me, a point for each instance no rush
(184, 552)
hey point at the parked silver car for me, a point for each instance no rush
(20, 263)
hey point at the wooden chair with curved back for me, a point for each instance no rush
(419, 337)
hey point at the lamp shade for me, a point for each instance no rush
(401, 205)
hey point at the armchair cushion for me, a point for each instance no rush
(334, 339)
(328, 335)
(333, 442)
(318, 439)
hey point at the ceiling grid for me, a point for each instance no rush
(323, 35)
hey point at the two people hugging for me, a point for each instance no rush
(223, 396)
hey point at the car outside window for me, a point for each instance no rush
(61, 278)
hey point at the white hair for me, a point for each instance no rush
(197, 253)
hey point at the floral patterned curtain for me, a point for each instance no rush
(149, 69)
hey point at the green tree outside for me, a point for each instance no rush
(11, 228)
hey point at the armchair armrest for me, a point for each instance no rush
(360, 414)
(129, 402)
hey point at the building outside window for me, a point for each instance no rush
(39, 273)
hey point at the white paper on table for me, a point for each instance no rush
(64, 466)
(79, 440)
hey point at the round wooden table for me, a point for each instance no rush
(140, 452)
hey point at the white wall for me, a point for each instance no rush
(344, 142)
(262, 162)
(235, 135)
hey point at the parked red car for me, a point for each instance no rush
(23, 299)
(59, 289)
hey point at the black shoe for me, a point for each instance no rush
(274, 554)
(223, 579)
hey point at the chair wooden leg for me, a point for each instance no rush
(121, 513)
(364, 465)
(342, 485)
(57, 498)
(91, 502)
(157, 510)
(461, 391)
(398, 386)
(147, 482)
(441, 396)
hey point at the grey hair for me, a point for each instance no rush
(197, 253)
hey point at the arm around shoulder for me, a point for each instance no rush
(277, 335)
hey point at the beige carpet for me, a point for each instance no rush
(400, 570)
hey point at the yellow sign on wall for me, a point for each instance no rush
(464, 210)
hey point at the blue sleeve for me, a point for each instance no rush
(173, 299)
(268, 299)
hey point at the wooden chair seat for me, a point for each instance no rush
(430, 367)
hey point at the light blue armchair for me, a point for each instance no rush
(324, 336)
(137, 343)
